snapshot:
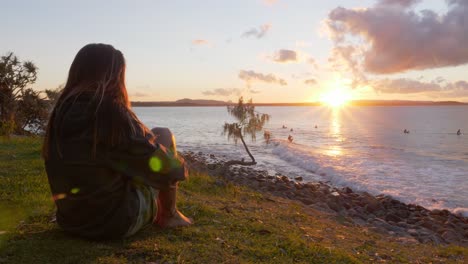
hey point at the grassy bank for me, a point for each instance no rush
(233, 225)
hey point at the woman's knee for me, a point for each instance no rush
(164, 136)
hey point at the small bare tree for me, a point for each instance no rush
(249, 122)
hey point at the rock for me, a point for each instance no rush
(306, 201)
(298, 178)
(372, 204)
(427, 224)
(450, 236)
(347, 205)
(211, 166)
(393, 218)
(347, 190)
(402, 213)
(298, 185)
(436, 212)
(311, 186)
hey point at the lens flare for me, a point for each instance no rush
(155, 164)
(59, 196)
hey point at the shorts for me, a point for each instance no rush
(147, 209)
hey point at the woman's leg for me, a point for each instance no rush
(168, 215)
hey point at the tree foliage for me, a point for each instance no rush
(249, 122)
(15, 76)
(54, 94)
(33, 112)
(17, 101)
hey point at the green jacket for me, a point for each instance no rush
(95, 196)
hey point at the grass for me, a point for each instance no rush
(234, 224)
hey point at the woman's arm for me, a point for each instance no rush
(148, 163)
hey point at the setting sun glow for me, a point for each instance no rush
(336, 97)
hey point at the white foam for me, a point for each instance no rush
(403, 179)
(461, 211)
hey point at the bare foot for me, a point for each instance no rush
(177, 219)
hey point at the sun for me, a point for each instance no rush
(336, 97)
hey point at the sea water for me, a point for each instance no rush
(360, 147)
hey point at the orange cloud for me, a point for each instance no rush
(252, 76)
(398, 38)
(285, 56)
(199, 42)
(223, 92)
(270, 2)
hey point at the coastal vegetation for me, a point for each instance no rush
(233, 224)
(23, 110)
(248, 123)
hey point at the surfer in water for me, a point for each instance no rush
(459, 132)
(290, 139)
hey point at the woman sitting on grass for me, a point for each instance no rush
(109, 175)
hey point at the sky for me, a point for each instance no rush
(267, 50)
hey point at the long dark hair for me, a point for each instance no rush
(98, 73)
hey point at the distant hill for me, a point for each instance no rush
(203, 102)
(402, 103)
(184, 102)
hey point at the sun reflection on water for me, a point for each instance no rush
(336, 135)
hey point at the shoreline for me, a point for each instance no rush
(406, 222)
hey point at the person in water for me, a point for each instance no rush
(267, 136)
(459, 132)
(109, 175)
(290, 138)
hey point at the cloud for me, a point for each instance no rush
(310, 82)
(258, 33)
(402, 3)
(404, 86)
(285, 56)
(251, 76)
(270, 2)
(200, 42)
(459, 88)
(391, 37)
(139, 94)
(461, 85)
(223, 92)
(410, 86)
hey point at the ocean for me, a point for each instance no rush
(362, 147)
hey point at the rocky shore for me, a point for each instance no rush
(406, 222)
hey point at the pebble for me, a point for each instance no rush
(410, 223)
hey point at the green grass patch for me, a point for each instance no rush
(233, 224)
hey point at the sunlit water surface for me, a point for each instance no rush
(360, 147)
